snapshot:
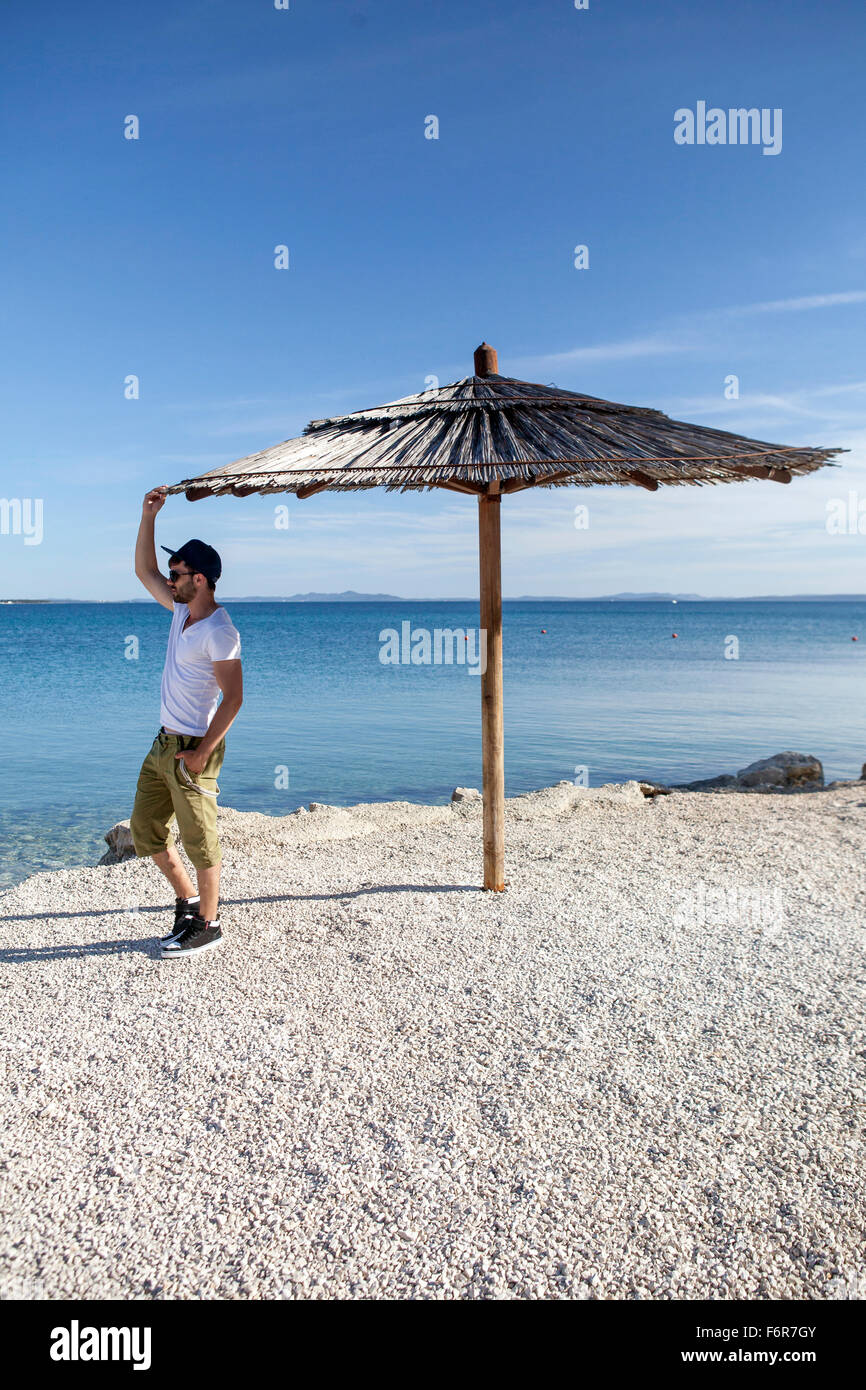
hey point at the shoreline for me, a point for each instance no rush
(724, 784)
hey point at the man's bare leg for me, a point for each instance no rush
(169, 861)
(209, 892)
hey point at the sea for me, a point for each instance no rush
(594, 691)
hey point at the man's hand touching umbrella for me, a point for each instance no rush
(154, 501)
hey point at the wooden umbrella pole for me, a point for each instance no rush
(490, 573)
(492, 749)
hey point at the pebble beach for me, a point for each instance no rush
(638, 1073)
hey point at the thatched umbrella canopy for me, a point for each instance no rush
(489, 435)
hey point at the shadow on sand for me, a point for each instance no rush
(12, 955)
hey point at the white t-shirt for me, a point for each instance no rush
(190, 693)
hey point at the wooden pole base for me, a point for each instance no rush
(492, 747)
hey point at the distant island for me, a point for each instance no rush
(347, 596)
(628, 597)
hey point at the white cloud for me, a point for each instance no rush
(650, 345)
(812, 301)
(685, 338)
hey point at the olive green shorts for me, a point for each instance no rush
(163, 793)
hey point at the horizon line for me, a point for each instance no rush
(624, 597)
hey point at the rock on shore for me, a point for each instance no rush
(783, 772)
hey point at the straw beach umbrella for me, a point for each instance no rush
(489, 436)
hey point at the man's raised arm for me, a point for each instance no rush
(146, 567)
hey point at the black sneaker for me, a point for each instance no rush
(184, 908)
(197, 936)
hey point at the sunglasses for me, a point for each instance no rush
(175, 575)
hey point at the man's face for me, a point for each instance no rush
(182, 588)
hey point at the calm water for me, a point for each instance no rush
(606, 687)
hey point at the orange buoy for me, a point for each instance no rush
(675, 634)
(544, 630)
(855, 639)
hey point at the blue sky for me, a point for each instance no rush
(305, 127)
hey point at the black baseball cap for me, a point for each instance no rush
(201, 557)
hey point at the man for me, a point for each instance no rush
(179, 775)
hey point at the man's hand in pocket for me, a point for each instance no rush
(194, 760)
